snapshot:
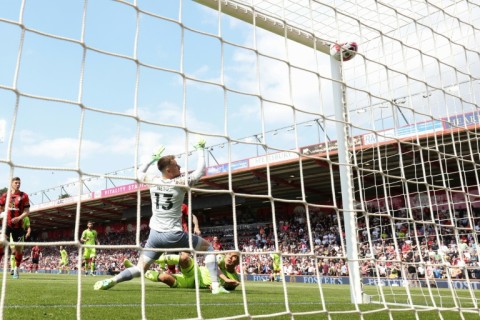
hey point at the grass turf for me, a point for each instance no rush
(52, 296)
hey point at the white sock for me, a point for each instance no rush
(127, 274)
(211, 264)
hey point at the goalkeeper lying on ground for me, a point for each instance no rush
(228, 277)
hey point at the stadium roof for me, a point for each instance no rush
(415, 163)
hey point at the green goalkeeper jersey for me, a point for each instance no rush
(64, 254)
(276, 260)
(204, 275)
(90, 236)
(221, 264)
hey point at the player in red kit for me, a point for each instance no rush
(35, 255)
(196, 227)
(18, 208)
(216, 244)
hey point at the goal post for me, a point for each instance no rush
(396, 125)
(262, 19)
(346, 185)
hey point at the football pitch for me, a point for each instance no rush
(51, 296)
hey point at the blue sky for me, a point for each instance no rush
(47, 132)
(124, 95)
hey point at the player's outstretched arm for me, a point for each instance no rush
(201, 167)
(157, 154)
(229, 284)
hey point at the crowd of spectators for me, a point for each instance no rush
(388, 246)
(107, 259)
(423, 245)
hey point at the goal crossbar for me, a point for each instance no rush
(269, 23)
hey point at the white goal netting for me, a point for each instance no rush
(364, 174)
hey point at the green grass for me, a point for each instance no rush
(48, 296)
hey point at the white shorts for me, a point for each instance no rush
(167, 240)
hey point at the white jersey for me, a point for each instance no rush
(167, 197)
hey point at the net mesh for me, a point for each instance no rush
(116, 78)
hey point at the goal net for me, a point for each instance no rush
(342, 135)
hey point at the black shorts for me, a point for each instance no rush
(35, 260)
(17, 234)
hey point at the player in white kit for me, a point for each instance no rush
(167, 193)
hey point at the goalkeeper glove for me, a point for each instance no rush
(158, 153)
(200, 144)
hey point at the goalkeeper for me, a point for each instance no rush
(167, 193)
(229, 278)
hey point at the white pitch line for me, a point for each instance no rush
(147, 305)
